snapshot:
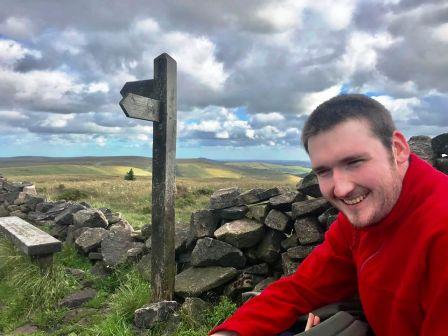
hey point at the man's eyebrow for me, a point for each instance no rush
(341, 161)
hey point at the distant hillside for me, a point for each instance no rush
(119, 165)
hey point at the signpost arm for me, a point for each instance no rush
(163, 180)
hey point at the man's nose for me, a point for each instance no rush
(342, 184)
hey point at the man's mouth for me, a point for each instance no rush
(356, 200)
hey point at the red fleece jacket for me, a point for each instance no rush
(399, 266)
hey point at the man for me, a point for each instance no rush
(389, 242)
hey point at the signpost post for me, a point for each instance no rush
(156, 100)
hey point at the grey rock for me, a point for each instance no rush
(259, 195)
(136, 251)
(90, 239)
(77, 299)
(307, 231)
(309, 207)
(258, 211)
(241, 233)
(15, 186)
(182, 240)
(45, 206)
(79, 274)
(224, 198)
(197, 280)
(56, 209)
(149, 315)
(309, 185)
(264, 283)
(270, 246)
(203, 223)
(124, 224)
(66, 216)
(260, 269)
(19, 214)
(3, 211)
(195, 309)
(59, 231)
(442, 164)
(244, 282)
(25, 330)
(33, 201)
(11, 196)
(289, 265)
(12, 208)
(421, 145)
(284, 201)
(89, 218)
(24, 208)
(72, 233)
(212, 252)
(298, 253)
(290, 241)
(95, 256)
(277, 220)
(99, 269)
(146, 231)
(440, 144)
(236, 212)
(115, 246)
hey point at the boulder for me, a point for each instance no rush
(66, 216)
(78, 298)
(440, 144)
(224, 198)
(73, 233)
(290, 241)
(90, 239)
(232, 213)
(89, 218)
(197, 280)
(33, 201)
(195, 309)
(258, 211)
(203, 223)
(421, 145)
(300, 252)
(264, 283)
(309, 207)
(284, 201)
(115, 246)
(307, 231)
(213, 252)
(257, 195)
(259, 269)
(182, 240)
(241, 233)
(442, 164)
(149, 315)
(277, 220)
(270, 246)
(309, 185)
(289, 265)
(3, 211)
(244, 282)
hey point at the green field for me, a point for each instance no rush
(99, 181)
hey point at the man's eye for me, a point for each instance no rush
(355, 162)
(322, 173)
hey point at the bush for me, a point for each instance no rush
(130, 175)
(71, 194)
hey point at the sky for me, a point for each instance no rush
(249, 72)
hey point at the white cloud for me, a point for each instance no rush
(145, 26)
(336, 13)
(268, 117)
(12, 115)
(401, 108)
(17, 27)
(282, 15)
(101, 141)
(57, 120)
(98, 87)
(441, 32)
(11, 52)
(311, 100)
(70, 40)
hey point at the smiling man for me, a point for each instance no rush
(389, 242)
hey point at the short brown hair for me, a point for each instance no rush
(350, 106)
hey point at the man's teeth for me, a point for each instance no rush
(355, 200)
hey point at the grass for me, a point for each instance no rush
(29, 296)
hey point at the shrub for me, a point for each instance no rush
(130, 175)
(71, 194)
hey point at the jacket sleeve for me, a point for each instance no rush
(327, 275)
(435, 294)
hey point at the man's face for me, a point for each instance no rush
(355, 172)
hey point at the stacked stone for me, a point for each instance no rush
(101, 234)
(246, 240)
(433, 150)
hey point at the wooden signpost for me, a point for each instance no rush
(156, 100)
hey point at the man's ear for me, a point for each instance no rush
(400, 147)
